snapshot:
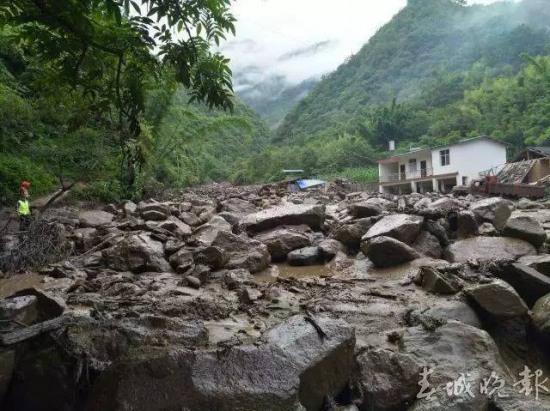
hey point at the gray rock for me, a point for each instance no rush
(182, 260)
(528, 282)
(95, 218)
(23, 309)
(488, 249)
(136, 253)
(153, 215)
(449, 351)
(436, 283)
(176, 226)
(525, 228)
(493, 210)
(243, 252)
(161, 210)
(541, 315)
(330, 248)
(213, 257)
(428, 244)
(350, 234)
(402, 227)
(487, 229)
(467, 224)
(441, 207)
(453, 310)
(388, 252)
(129, 208)
(235, 278)
(207, 233)
(389, 379)
(364, 209)
(282, 241)
(541, 263)
(438, 231)
(288, 214)
(190, 219)
(305, 256)
(499, 299)
(294, 368)
(193, 281)
(238, 206)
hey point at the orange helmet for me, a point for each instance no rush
(25, 184)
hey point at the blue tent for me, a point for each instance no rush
(303, 183)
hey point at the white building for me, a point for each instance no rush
(440, 168)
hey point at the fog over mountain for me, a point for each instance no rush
(283, 47)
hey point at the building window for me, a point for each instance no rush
(412, 165)
(464, 181)
(445, 157)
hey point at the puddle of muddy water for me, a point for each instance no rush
(284, 270)
(9, 286)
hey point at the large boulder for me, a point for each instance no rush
(243, 252)
(364, 209)
(350, 234)
(402, 227)
(282, 241)
(499, 299)
(437, 230)
(449, 351)
(330, 248)
(467, 224)
(136, 253)
(238, 206)
(297, 366)
(428, 244)
(528, 282)
(288, 214)
(305, 256)
(154, 211)
(95, 218)
(175, 226)
(541, 316)
(207, 233)
(445, 310)
(493, 210)
(441, 207)
(525, 228)
(388, 252)
(389, 379)
(488, 249)
(541, 263)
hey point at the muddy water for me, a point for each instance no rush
(17, 283)
(284, 270)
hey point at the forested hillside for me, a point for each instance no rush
(426, 49)
(87, 102)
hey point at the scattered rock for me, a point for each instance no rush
(487, 229)
(235, 278)
(499, 299)
(492, 210)
(350, 234)
(528, 282)
(282, 241)
(388, 252)
(467, 224)
(243, 252)
(136, 253)
(428, 244)
(541, 315)
(330, 248)
(541, 263)
(95, 218)
(289, 214)
(402, 227)
(435, 282)
(207, 233)
(525, 228)
(364, 209)
(305, 256)
(488, 249)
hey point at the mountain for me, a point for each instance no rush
(427, 39)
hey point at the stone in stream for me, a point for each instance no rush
(456, 310)
(388, 252)
(299, 364)
(350, 234)
(288, 214)
(525, 228)
(282, 241)
(402, 227)
(493, 210)
(488, 249)
(499, 299)
(213, 257)
(305, 256)
(435, 282)
(330, 248)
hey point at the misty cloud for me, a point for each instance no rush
(307, 51)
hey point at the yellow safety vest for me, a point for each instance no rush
(23, 207)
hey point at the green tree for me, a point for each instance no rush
(111, 51)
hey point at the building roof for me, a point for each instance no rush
(467, 140)
(533, 152)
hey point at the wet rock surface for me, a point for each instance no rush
(193, 303)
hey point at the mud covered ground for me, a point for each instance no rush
(249, 298)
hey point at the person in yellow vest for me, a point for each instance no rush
(24, 207)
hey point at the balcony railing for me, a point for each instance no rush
(410, 175)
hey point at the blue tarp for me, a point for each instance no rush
(303, 184)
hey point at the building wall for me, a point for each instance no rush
(470, 158)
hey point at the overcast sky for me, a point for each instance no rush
(299, 39)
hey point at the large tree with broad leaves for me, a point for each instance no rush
(111, 51)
